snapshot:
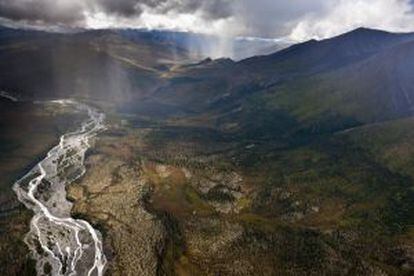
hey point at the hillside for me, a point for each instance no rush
(346, 76)
(97, 64)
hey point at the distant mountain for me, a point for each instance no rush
(103, 63)
(99, 64)
(359, 77)
(246, 47)
(316, 56)
(202, 46)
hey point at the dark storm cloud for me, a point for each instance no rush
(213, 9)
(46, 11)
(72, 12)
(120, 7)
(266, 18)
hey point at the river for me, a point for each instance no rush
(60, 244)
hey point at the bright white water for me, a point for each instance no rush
(60, 244)
(4, 94)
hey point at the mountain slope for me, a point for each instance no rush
(363, 76)
(377, 89)
(318, 56)
(98, 64)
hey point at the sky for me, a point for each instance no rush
(297, 20)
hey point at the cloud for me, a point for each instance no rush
(271, 18)
(211, 16)
(65, 12)
(302, 19)
(345, 15)
(296, 19)
(125, 8)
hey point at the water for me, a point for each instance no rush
(60, 244)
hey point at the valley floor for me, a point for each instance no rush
(184, 200)
(176, 197)
(27, 132)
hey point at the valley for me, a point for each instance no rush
(293, 163)
(60, 244)
(28, 132)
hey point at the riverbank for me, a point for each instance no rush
(60, 244)
(27, 132)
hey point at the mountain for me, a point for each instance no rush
(347, 75)
(318, 56)
(202, 46)
(60, 62)
(320, 134)
(95, 63)
(343, 76)
(376, 89)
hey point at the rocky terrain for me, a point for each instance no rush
(193, 207)
(113, 195)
